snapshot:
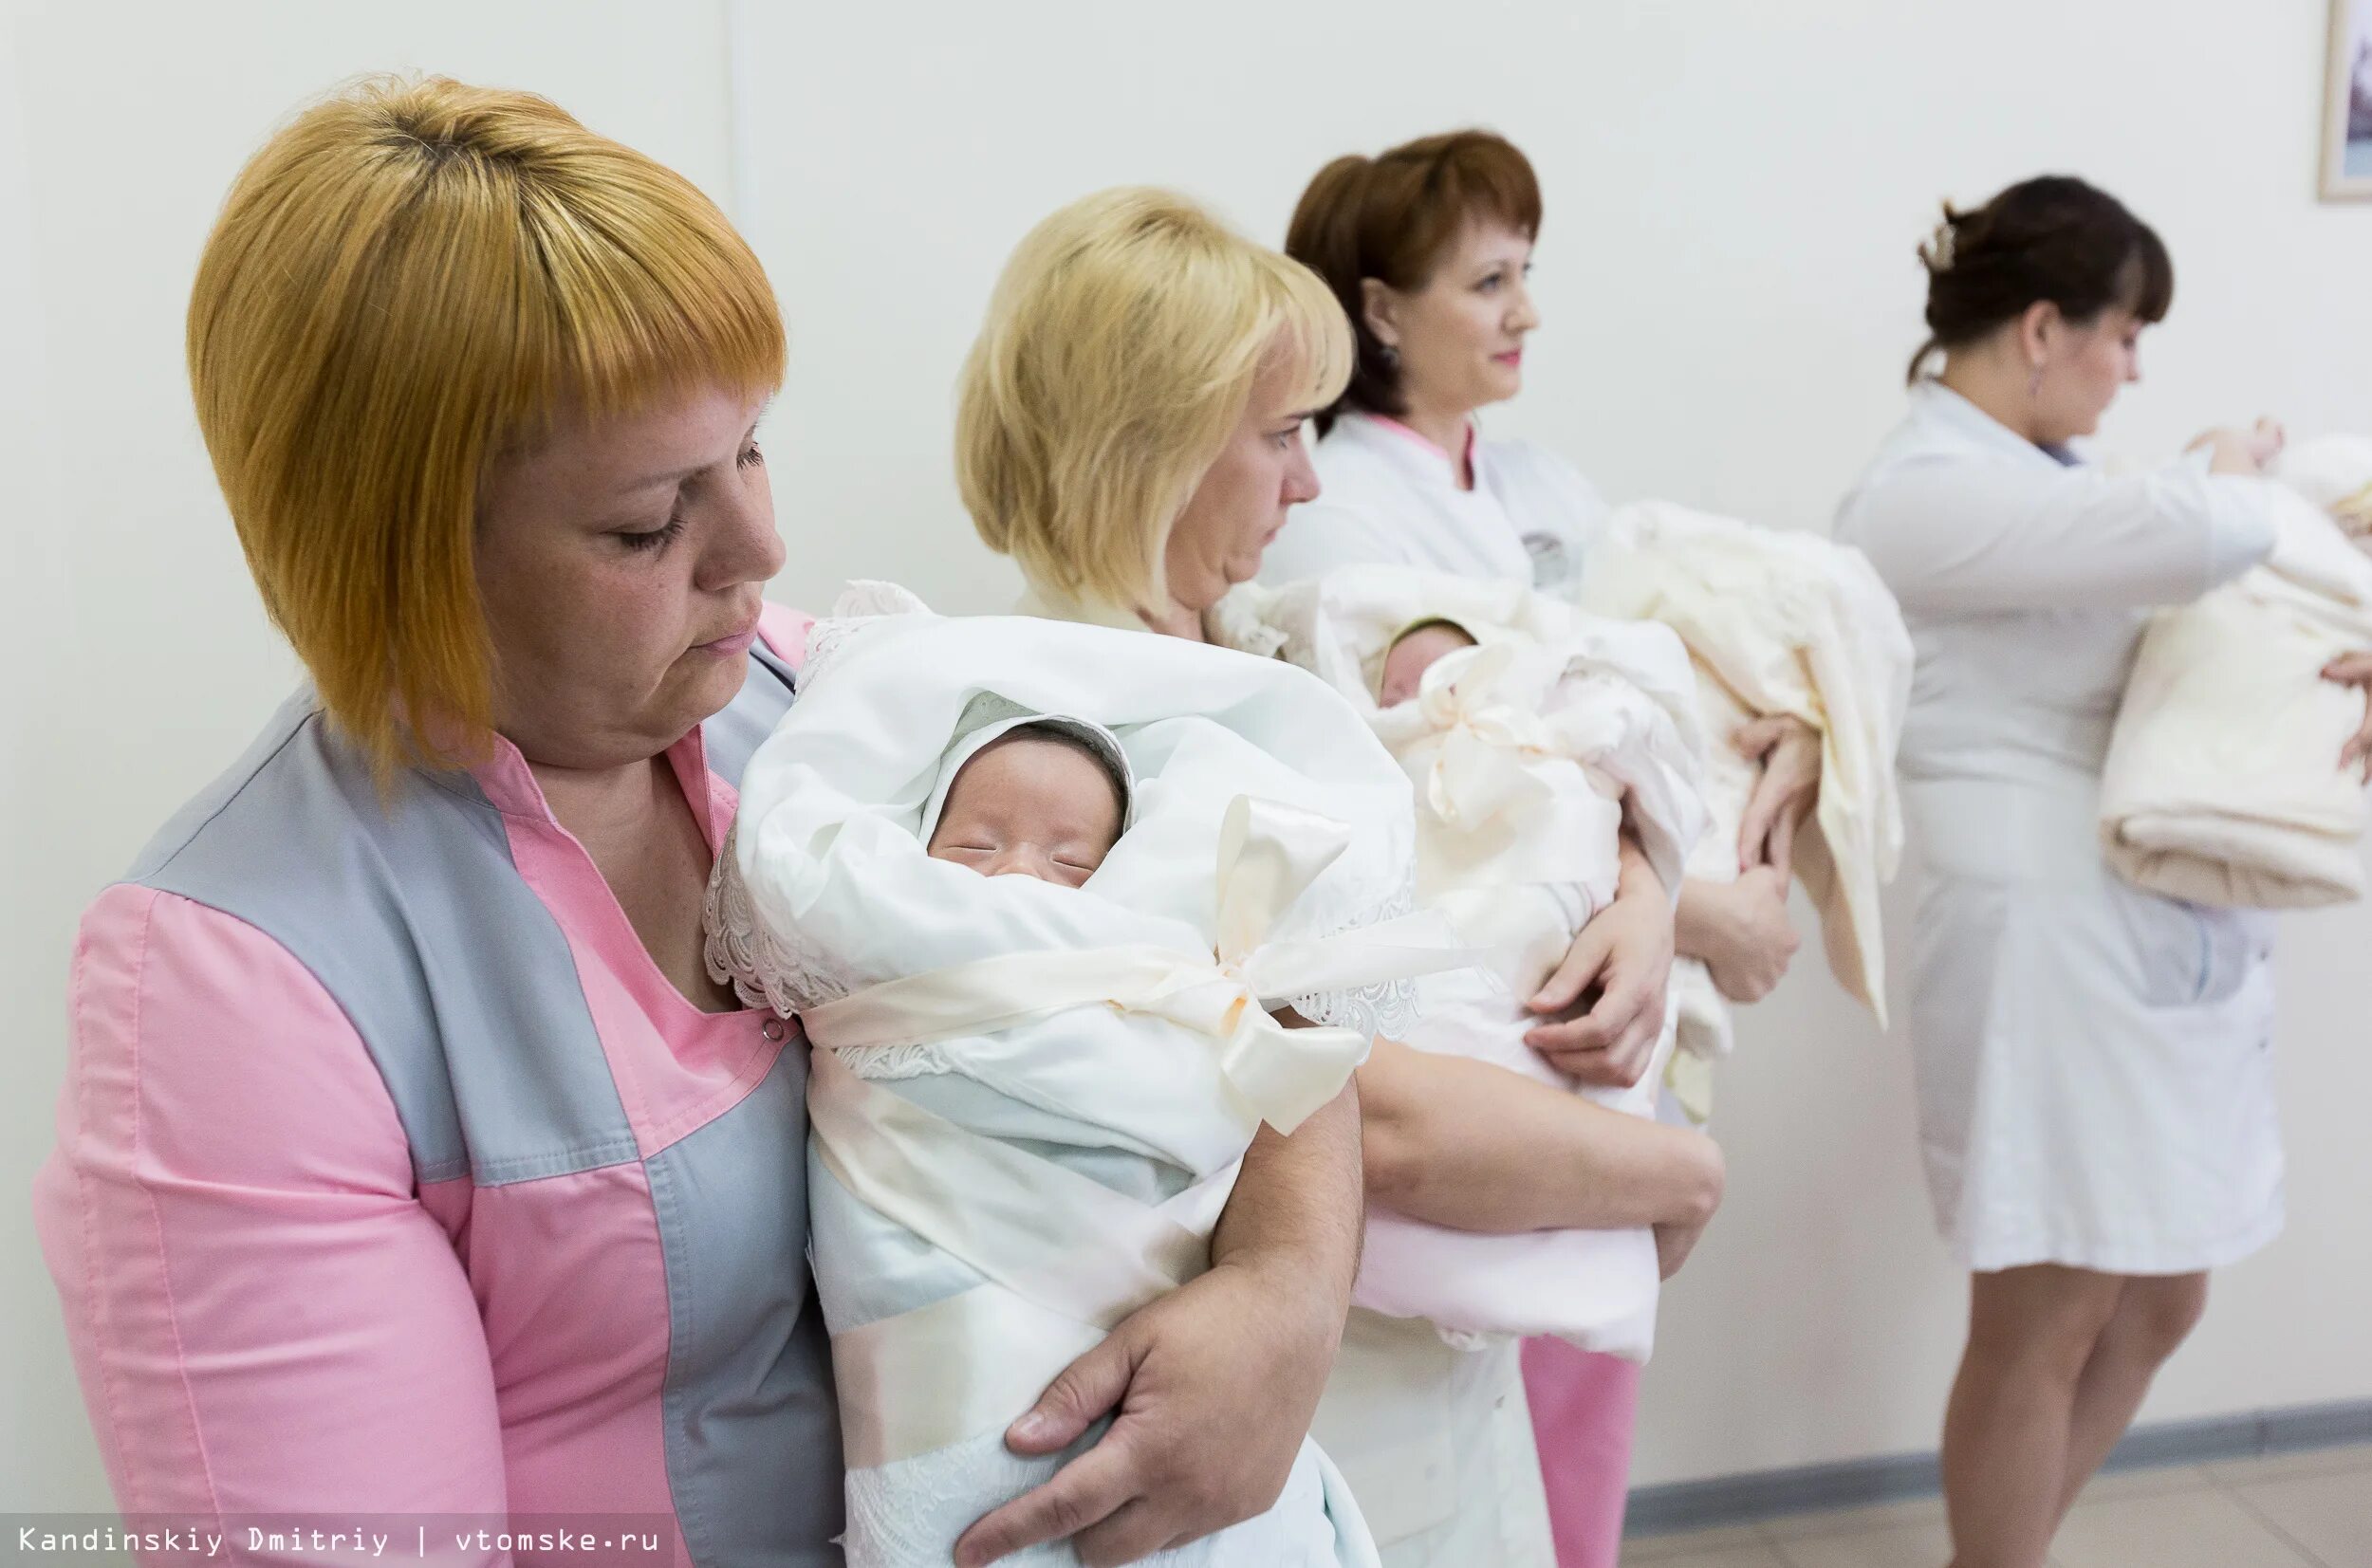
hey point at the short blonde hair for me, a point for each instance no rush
(1119, 354)
(409, 279)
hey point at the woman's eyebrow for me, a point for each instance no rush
(677, 476)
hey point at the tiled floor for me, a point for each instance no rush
(2303, 1510)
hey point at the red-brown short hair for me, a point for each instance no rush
(1393, 217)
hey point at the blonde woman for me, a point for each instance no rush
(1129, 431)
(410, 1161)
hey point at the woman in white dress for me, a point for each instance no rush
(1129, 431)
(1428, 248)
(2094, 1067)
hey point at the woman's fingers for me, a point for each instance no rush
(1782, 856)
(1083, 1494)
(1081, 1393)
(2355, 670)
(1578, 971)
(1133, 1532)
(1787, 749)
(1610, 1044)
(2267, 438)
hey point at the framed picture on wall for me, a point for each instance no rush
(2347, 105)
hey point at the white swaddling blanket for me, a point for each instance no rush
(2222, 784)
(1777, 621)
(1029, 1101)
(1522, 750)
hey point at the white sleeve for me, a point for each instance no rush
(1320, 537)
(1951, 535)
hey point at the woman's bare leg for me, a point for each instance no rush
(2154, 1315)
(2008, 1429)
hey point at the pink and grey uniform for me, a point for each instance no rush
(393, 1177)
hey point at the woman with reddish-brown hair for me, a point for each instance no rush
(1428, 247)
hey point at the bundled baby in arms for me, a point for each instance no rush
(1035, 891)
(1535, 736)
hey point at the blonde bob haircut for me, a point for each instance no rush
(1117, 357)
(408, 280)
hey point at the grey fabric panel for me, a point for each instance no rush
(752, 1440)
(416, 920)
(413, 918)
(731, 738)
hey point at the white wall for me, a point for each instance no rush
(140, 661)
(1734, 190)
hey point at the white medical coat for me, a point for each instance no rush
(1388, 496)
(2094, 1063)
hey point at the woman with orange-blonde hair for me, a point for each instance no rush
(414, 1160)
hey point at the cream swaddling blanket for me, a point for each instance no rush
(1777, 621)
(1029, 1101)
(1522, 750)
(2222, 784)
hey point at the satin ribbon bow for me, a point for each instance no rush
(1482, 735)
(1269, 853)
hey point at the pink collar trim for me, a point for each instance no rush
(511, 786)
(1464, 461)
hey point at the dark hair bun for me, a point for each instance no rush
(2050, 239)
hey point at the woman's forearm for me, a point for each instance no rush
(1693, 934)
(1297, 1200)
(1474, 1147)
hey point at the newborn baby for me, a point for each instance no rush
(1529, 732)
(1413, 653)
(1043, 799)
(992, 864)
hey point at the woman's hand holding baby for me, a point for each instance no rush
(1195, 1382)
(1741, 931)
(1623, 954)
(1789, 786)
(2235, 450)
(2355, 670)
(1211, 1387)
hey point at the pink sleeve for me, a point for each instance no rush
(785, 629)
(265, 1318)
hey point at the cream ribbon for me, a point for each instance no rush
(1270, 852)
(1481, 782)
(969, 1364)
(1481, 739)
(1063, 1258)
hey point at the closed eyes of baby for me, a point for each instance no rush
(1034, 803)
(1415, 652)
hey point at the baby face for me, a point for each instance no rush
(1404, 666)
(1030, 806)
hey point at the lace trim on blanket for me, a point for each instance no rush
(1238, 621)
(741, 951)
(1388, 1009)
(767, 968)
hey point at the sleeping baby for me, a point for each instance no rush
(1035, 891)
(1044, 797)
(1533, 736)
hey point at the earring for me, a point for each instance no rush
(2034, 384)
(1390, 356)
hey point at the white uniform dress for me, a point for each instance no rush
(2094, 1063)
(1387, 497)
(1437, 1443)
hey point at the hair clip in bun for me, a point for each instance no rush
(1939, 247)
